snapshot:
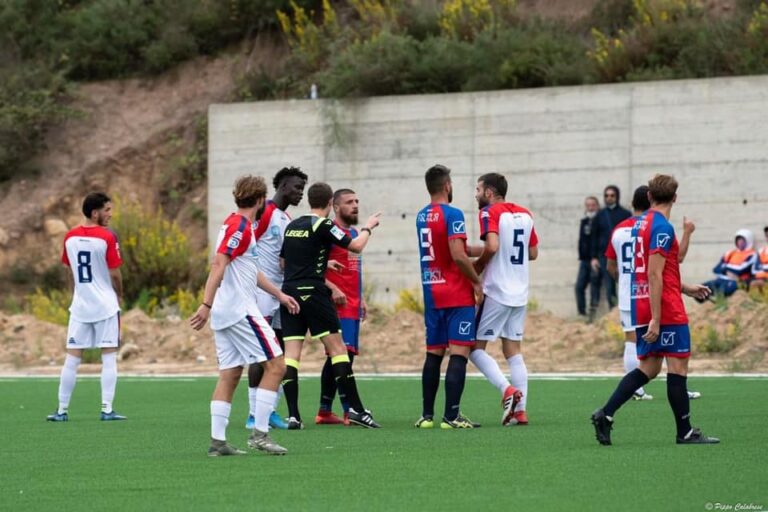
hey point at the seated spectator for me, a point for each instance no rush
(737, 266)
(761, 276)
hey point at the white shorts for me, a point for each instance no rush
(495, 320)
(103, 334)
(269, 307)
(626, 321)
(251, 340)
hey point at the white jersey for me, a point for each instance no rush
(90, 252)
(505, 279)
(269, 235)
(236, 297)
(620, 249)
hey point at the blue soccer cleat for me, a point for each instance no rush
(112, 416)
(250, 423)
(57, 417)
(275, 421)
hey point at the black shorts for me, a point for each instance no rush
(318, 313)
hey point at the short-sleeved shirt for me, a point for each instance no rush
(443, 283)
(269, 233)
(653, 234)
(90, 252)
(506, 277)
(236, 297)
(620, 249)
(349, 279)
(307, 246)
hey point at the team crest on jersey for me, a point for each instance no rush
(275, 230)
(338, 233)
(458, 226)
(662, 239)
(667, 339)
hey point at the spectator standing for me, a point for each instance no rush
(605, 220)
(587, 276)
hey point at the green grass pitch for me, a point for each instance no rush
(156, 460)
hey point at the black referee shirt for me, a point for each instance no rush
(306, 245)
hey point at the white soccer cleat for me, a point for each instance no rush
(642, 396)
(693, 395)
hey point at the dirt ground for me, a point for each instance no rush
(393, 342)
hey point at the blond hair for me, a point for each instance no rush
(248, 190)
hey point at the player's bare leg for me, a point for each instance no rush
(677, 394)
(221, 406)
(345, 380)
(266, 395)
(67, 383)
(518, 376)
(291, 382)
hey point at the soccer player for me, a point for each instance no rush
(659, 313)
(242, 335)
(346, 286)
(93, 254)
(289, 183)
(450, 285)
(306, 250)
(619, 255)
(510, 244)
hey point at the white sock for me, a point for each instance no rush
(518, 375)
(67, 382)
(220, 419)
(630, 360)
(252, 401)
(488, 367)
(278, 396)
(108, 380)
(265, 400)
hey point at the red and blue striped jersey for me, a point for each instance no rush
(349, 279)
(652, 234)
(443, 283)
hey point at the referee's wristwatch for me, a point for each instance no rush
(368, 230)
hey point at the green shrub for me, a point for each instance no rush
(50, 306)
(409, 299)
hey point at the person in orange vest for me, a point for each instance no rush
(737, 266)
(761, 276)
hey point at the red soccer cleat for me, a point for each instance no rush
(346, 418)
(511, 398)
(519, 418)
(327, 418)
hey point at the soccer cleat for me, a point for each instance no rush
(602, 426)
(364, 419)
(642, 396)
(346, 418)
(275, 421)
(262, 442)
(294, 424)
(327, 418)
(250, 423)
(693, 395)
(460, 421)
(518, 418)
(511, 398)
(696, 437)
(112, 416)
(425, 422)
(222, 448)
(57, 417)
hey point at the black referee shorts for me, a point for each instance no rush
(318, 313)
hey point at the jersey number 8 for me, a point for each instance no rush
(84, 271)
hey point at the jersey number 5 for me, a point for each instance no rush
(517, 243)
(425, 237)
(84, 271)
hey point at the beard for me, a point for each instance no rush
(450, 196)
(349, 220)
(482, 202)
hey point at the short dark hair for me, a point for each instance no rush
(640, 201)
(285, 173)
(436, 178)
(319, 194)
(495, 181)
(662, 188)
(765, 229)
(94, 201)
(248, 190)
(342, 191)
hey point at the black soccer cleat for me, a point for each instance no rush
(602, 426)
(696, 437)
(364, 419)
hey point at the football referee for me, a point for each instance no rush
(306, 246)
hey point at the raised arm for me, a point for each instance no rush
(361, 240)
(688, 228)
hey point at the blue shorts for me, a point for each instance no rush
(450, 326)
(674, 341)
(350, 333)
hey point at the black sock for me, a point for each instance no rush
(430, 382)
(291, 390)
(255, 372)
(624, 391)
(327, 386)
(677, 394)
(345, 381)
(342, 396)
(455, 376)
